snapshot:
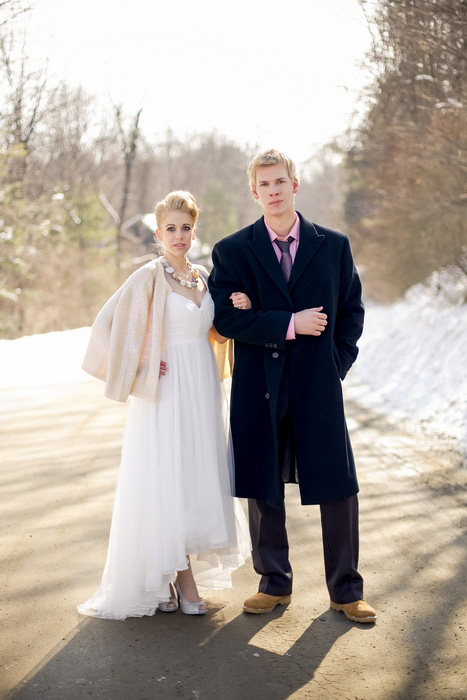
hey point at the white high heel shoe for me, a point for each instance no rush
(164, 605)
(187, 606)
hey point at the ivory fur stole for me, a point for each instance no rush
(125, 346)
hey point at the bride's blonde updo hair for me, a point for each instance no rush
(176, 201)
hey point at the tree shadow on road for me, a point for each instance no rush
(414, 545)
(413, 512)
(177, 656)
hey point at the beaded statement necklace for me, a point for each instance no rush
(184, 283)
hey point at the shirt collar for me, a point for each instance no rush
(294, 231)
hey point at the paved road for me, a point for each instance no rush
(59, 456)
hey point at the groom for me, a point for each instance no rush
(292, 349)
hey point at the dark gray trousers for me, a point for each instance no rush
(339, 522)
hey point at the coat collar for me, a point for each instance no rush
(260, 244)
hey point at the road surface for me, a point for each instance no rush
(59, 459)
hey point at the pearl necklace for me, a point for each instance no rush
(184, 283)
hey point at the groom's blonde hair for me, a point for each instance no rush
(270, 157)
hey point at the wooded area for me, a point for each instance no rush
(407, 198)
(78, 176)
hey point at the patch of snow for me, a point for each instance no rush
(149, 220)
(413, 352)
(423, 76)
(47, 358)
(454, 103)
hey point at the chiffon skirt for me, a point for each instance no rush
(173, 495)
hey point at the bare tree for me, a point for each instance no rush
(23, 104)
(10, 9)
(129, 138)
(322, 188)
(408, 170)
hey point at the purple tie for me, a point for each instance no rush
(286, 258)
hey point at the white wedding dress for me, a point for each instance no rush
(173, 494)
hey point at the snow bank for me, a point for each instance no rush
(413, 355)
(48, 358)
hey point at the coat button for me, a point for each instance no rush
(267, 396)
(275, 345)
(275, 355)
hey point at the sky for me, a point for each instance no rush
(265, 73)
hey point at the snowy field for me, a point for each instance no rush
(48, 358)
(412, 358)
(38, 368)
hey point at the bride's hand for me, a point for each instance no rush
(163, 368)
(240, 301)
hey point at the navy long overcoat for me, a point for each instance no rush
(323, 274)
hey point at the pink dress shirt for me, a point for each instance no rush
(295, 233)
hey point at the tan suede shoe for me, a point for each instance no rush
(264, 603)
(357, 612)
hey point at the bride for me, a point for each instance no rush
(175, 525)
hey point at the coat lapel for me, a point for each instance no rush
(260, 244)
(262, 248)
(310, 241)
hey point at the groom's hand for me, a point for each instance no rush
(310, 321)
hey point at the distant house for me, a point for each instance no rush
(140, 229)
